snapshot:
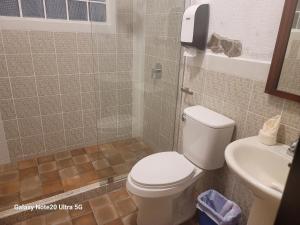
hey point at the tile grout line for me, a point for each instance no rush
(36, 89)
(13, 101)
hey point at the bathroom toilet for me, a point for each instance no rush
(162, 184)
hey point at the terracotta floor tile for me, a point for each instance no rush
(9, 188)
(79, 151)
(29, 172)
(105, 214)
(63, 155)
(64, 163)
(125, 207)
(86, 167)
(87, 219)
(104, 147)
(47, 167)
(108, 172)
(130, 219)
(38, 220)
(9, 200)
(100, 201)
(115, 159)
(115, 222)
(30, 183)
(8, 167)
(101, 164)
(86, 209)
(71, 183)
(45, 159)
(49, 177)
(57, 217)
(95, 156)
(68, 172)
(80, 159)
(9, 176)
(118, 195)
(24, 164)
(52, 188)
(122, 169)
(92, 149)
(32, 193)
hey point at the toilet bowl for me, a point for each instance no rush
(162, 184)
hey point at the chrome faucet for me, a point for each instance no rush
(292, 149)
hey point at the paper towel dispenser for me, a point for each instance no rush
(195, 26)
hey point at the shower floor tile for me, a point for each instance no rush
(114, 208)
(46, 176)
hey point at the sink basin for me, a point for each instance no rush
(264, 169)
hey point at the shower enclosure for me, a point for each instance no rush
(87, 88)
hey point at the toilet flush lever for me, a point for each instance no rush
(187, 90)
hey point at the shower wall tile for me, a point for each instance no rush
(16, 42)
(47, 85)
(3, 67)
(20, 65)
(42, 42)
(45, 64)
(51, 88)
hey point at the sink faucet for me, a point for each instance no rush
(291, 150)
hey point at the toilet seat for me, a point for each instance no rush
(173, 175)
(160, 170)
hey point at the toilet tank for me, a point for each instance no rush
(205, 137)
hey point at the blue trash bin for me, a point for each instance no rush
(215, 209)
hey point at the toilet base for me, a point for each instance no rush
(171, 210)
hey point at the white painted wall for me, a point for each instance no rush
(254, 22)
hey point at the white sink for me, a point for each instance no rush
(264, 169)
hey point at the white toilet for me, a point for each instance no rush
(162, 184)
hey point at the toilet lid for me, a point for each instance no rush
(162, 169)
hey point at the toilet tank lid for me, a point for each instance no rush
(208, 117)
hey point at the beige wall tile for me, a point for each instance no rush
(42, 42)
(264, 104)
(7, 109)
(67, 63)
(23, 87)
(124, 23)
(89, 100)
(52, 123)
(107, 62)
(20, 65)
(5, 90)
(3, 67)
(89, 118)
(108, 99)
(69, 84)
(74, 136)
(125, 6)
(44, 64)
(237, 90)
(124, 62)
(107, 43)
(88, 83)
(212, 103)
(288, 134)
(65, 42)
(50, 104)
(30, 126)
(15, 149)
(26, 107)
(88, 63)
(55, 141)
(86, 43)
(253, 124)
(124, 80)
(124, 97)
(71, 102)
(73, 120)
(214, 84)
(15, 42)
(11, 129)
(124, 43)
(33, 145)
(47, 85)
(291, 114)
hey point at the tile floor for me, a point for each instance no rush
(114, 208)
(38, 178)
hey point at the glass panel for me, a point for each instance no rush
(97, 12)
(56, 9)
(77, 10)
(32, 8)
(9, 8)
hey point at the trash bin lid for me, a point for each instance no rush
(162, 169)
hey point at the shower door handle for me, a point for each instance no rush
(187, 90)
